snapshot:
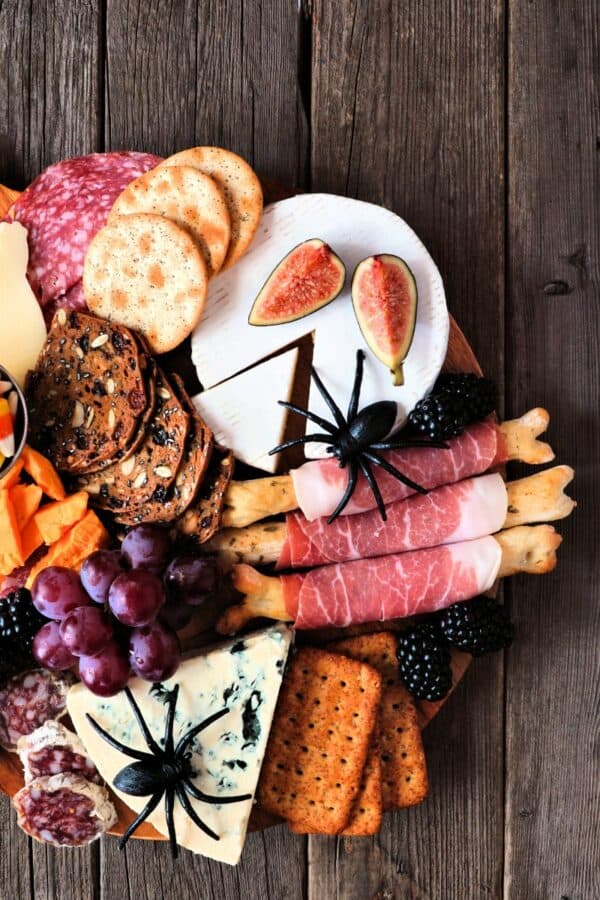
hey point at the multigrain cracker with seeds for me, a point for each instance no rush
(319, 741)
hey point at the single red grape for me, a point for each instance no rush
(193, 579)
(154, 652)
(86, 631)
(107, 673)
(56, 591)
(136, 597)
(49, 649)
(98, 573)
(175, 614)
(147, 547)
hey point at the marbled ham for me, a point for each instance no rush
(456, 512)
(319, 484)
(405, 584)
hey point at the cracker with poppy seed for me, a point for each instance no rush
(319, 740)
(403, 765)
(186, 197)
(202, 520)
(147, 273)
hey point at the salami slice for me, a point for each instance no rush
(54, 750)
(64, 208)
(28, 700)
(64, 810)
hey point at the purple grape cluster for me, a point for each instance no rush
(121, 612)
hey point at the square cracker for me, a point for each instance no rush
(403, 764)
(319, 740)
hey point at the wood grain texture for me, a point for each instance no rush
(407, 111)
(552, 684)
(50, 53)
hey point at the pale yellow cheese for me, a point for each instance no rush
(22, 328)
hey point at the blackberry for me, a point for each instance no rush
(19, 623)
(479, 395)
(439, 416)
(478, 626)
(425, 662)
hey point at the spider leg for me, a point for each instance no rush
(307, 439)
(406, 445)
(184, 800)
(352, 479)
(392, 470)
(149, 808)
(207, 798)
(128, 751)
(168, 738)
(334, 408)
(322, 423)
(368, 473)
(152, 744)
(187, 738)
(169, 804)
(358, 377)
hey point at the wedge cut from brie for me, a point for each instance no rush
(22, 328)
(243, 675)
(244, 413)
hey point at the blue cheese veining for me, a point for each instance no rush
(244, 676)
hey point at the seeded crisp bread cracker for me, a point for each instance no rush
(145, 272)
(403, 764)
(319, 740)
(186, 197)
(240, 186)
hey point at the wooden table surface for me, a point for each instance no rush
(478, 122)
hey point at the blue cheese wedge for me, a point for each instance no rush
(243, 675)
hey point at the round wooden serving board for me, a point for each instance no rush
(459, 358)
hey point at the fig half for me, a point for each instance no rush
(384, 296)
(308, 278)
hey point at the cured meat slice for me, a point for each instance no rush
(54, 750)
(28, 700)
(65, 207)
(64, 810)
(457, 512)
(319, 484)
(390, 587)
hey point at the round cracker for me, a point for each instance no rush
(145, 272)
(239, 184)
(187, 197)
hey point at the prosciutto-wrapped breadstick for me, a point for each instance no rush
(455, 512)
(390, 587)
(317, 486)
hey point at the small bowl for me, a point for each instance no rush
(21, 423)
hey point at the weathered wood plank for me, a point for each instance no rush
(49, 109)
(554, 331)
(179, 74)
(407, 111)
(49, 69)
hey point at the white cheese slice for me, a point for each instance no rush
(243, 675)
(22, 328)
(354, 230)
(244, 413)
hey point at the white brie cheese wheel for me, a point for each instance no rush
(224, 343)
(22, 328)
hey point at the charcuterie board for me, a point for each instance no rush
(150, 469)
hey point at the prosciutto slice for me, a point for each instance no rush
(319, 484)
(389, 587)
(456, 512)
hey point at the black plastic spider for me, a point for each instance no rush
(164, 771)
(357, 439)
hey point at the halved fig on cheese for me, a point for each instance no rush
(384, 296)
(308, 278)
